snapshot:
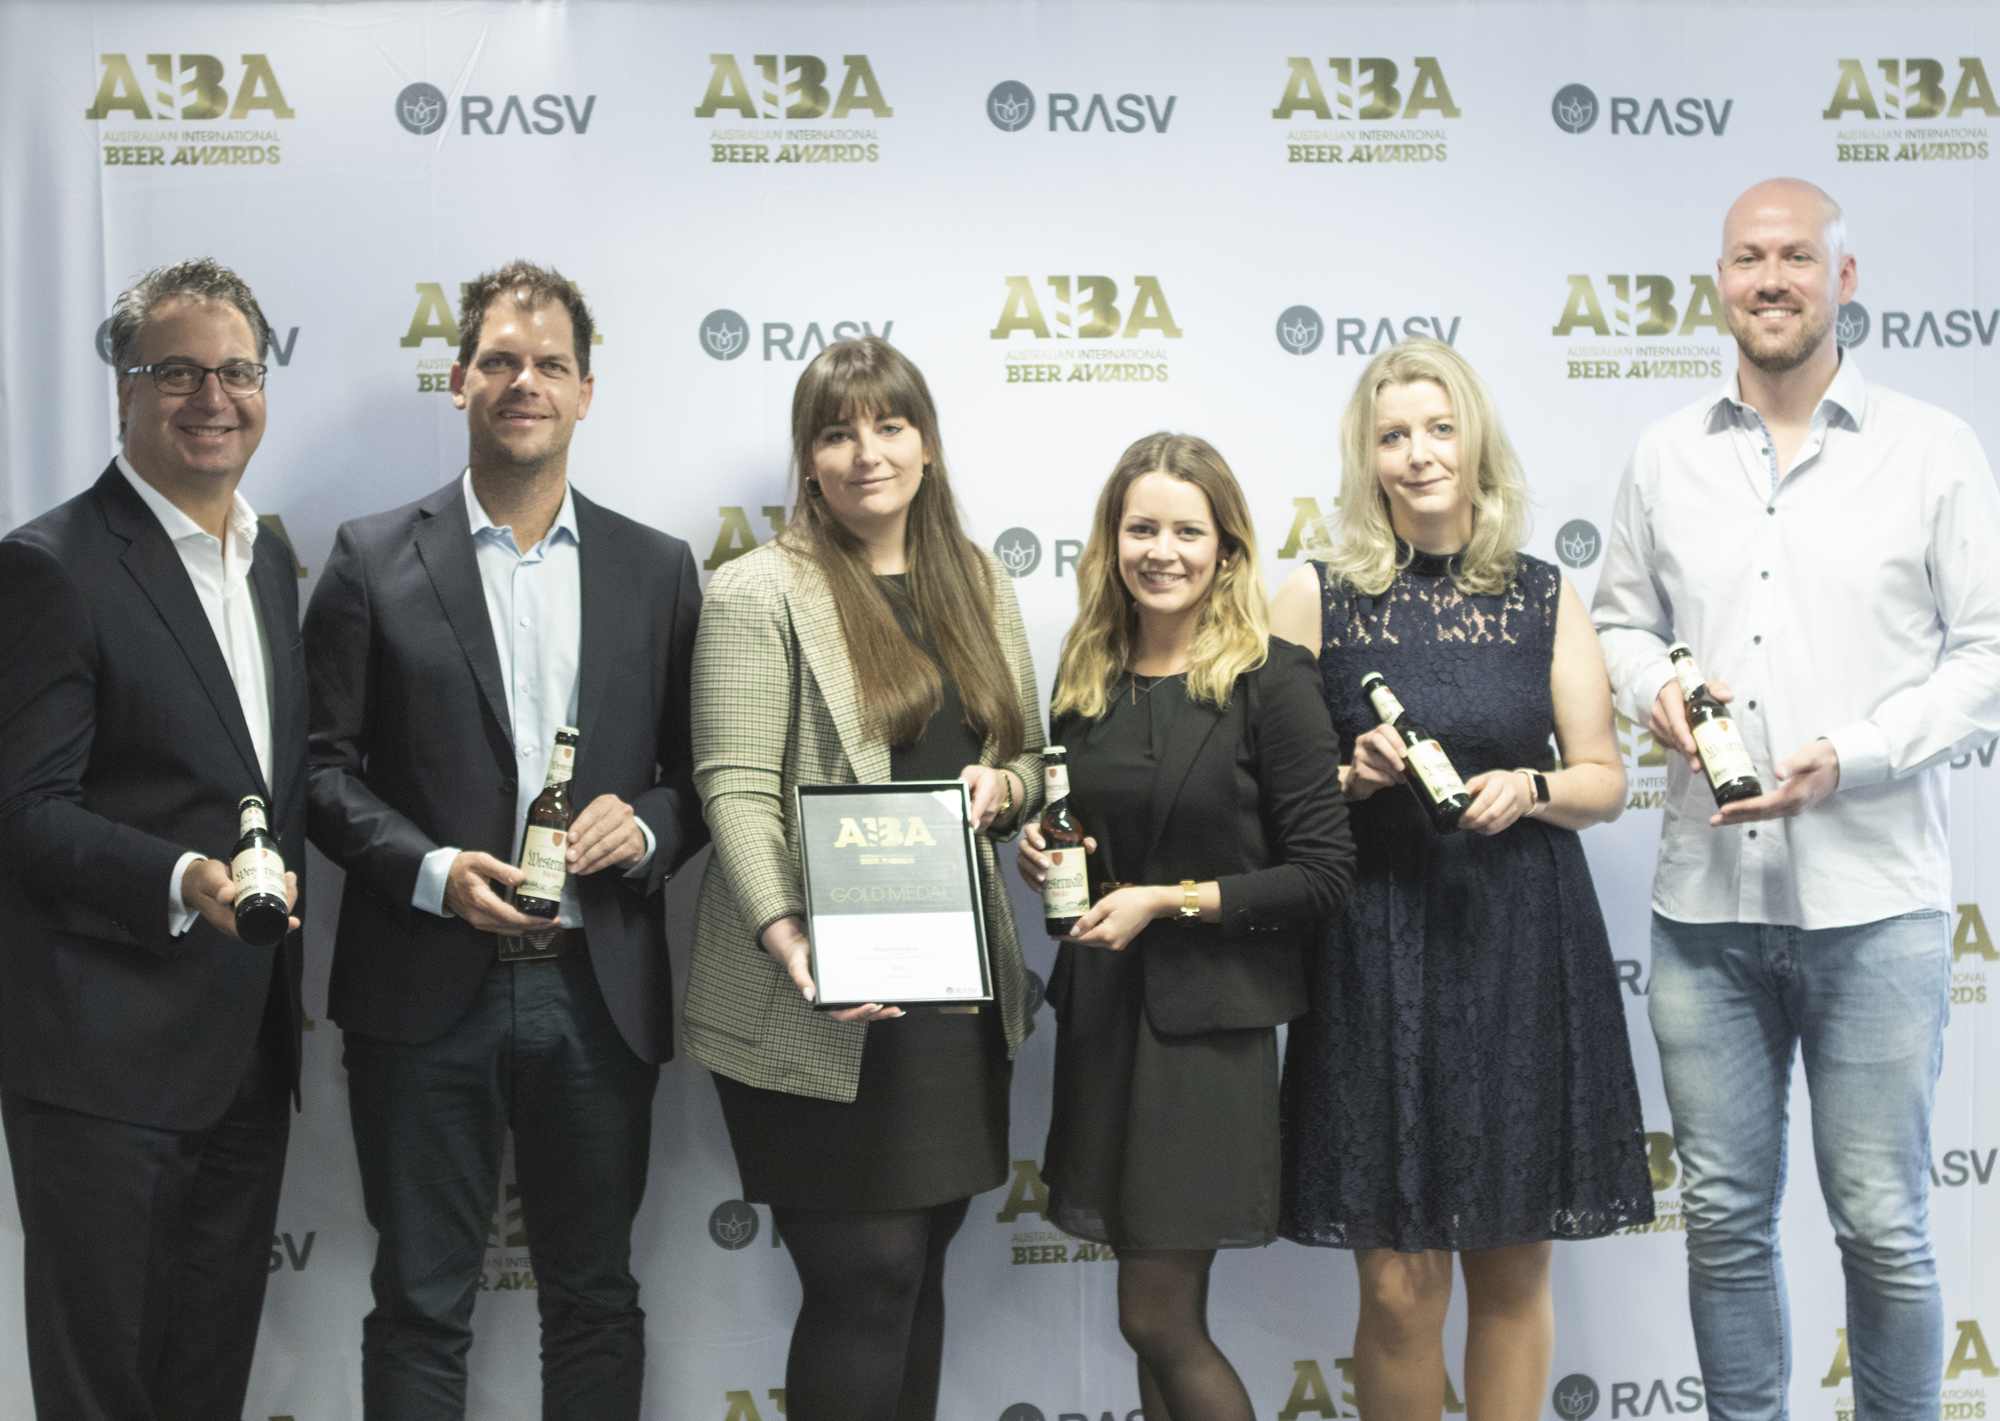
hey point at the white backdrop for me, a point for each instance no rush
(1251, 200)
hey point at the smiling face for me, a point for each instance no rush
(1783, 274)
(1168, 546)
(869, 467)
(196, 440)
(522, 395)
(1416, 463)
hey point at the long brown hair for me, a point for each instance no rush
(950, 580)
(1235, 621)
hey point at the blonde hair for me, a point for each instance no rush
(1359, 541)
(1235, 621)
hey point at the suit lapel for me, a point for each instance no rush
(605, 613)
(155, 564)
(444, 542)
(1187, 738)
(824, 646)
(271, 567)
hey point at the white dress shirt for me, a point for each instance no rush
(220, 572)
(1858, 601)
(534, 601)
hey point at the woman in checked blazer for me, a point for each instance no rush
(871, 641)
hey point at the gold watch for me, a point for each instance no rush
(1190, 899)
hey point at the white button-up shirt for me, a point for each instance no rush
(1857, 599)
(220, 572)
(534, 602)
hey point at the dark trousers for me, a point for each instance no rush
(146, 1251)
(536, 1051)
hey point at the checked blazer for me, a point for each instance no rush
(776, 706)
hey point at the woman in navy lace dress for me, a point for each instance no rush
(1463, 1083)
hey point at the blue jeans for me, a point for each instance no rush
(1866, 1006)
(535, 1051)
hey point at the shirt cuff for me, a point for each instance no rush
(180, 917)
(1659, 675)
(638, 870)
(1864, 754)
(431, 876)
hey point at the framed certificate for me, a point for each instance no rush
(892, 894)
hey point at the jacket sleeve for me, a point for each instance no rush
(671, 808)
(345, 819)
(743, 715)
(1299, 801)
(102, 877)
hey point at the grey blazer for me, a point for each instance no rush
(775, 706)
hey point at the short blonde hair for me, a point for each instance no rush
(1359, 541)
(1235, 620)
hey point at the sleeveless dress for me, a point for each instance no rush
(1463, 1080)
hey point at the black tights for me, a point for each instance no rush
(870, 1336)
(1163, 1312)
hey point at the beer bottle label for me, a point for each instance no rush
(562, 765)
(1386, 705)
(1722, 752)
(1066, 893)
(1433, 767)
(1058, 782)
(1689, 675)
(258, 871)
(543, 863)
(252, 818)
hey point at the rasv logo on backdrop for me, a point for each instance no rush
(726, 335)
(1578, 543)
(1905, 90)
(1576, 1397)
(1028, 1411)
(434, 320)
(188, 88)
(794, 87)
(1011, 105)
(1365, 90)
(1086, 308)
(1643, 305)
(1908, 330)
(422, 108)
(1575, 110)
(1020, 552)
(1300, 331)
(284, 1250)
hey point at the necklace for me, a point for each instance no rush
(1132, 678)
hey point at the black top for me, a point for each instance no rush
(947, 744)
(1123, 749)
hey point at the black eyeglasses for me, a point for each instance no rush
(184, 377)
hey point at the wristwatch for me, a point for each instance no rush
(1541, 783)
(1190, 899)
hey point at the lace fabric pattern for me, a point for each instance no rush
(1464, 1079)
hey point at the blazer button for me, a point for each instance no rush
(508, 785)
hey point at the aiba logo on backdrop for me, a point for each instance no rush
(1905, 114)
(236, 105)
(789, 90)
(1576, 109)
(1667, 319)
(1406, 109)
(434, 320)
(1011, 107)
(422, 109)
(1135, 321)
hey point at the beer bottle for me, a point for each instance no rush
(1731, 775)
(1066, 891)
(1430, 775)
(542, 847)
(259, 872)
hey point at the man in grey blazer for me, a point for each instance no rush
(447, 643)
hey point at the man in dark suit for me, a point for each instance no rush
(148, 1058)
(448, 642)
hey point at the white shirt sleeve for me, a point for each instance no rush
(638, 870)
(1634, 620)
(1958, 705)
(180, 917)
(431, 877)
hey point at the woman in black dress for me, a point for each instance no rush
(1203, 766)
(871, 641)
(1463, 1084)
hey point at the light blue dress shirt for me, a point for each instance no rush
(534, 601)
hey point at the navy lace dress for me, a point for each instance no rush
(1463, 1080)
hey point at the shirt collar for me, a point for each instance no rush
(242, 519)
(475, 513)
(1848, 394)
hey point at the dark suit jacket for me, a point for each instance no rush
(412, 748)
(1248, 796)
(123, 746)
